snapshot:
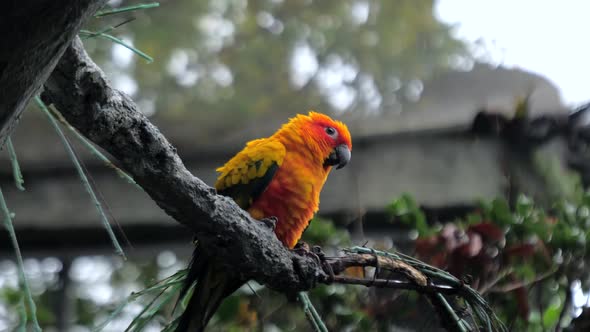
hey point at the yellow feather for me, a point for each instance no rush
(252, 172)
(241, 169)
(262, 171)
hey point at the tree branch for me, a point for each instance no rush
(108, 117)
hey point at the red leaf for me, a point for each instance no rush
(522, 250)
(488, 230)
(427, 246)
(439, 260)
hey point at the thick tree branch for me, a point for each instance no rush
(84, 96)
(34, 35)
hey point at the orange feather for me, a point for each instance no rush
(299, 148)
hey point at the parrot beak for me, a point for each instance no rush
(339, 157)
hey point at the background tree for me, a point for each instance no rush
(220, 65)
(362, 56)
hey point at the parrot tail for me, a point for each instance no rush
(213, 285)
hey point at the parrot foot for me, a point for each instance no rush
(318, 255)
(302, 249)
(317, 250)
(270, 222)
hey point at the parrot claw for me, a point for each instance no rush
(302, 249)
(318, 251)
(318, 254)
(270, 222)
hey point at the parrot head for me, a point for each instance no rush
(326, 138)
(334, 139)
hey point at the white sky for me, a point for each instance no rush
(548, 37)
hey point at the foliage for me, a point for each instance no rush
(524, 258)
(246, 60)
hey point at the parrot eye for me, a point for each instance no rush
(331, 132)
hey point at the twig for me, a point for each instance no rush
(339, 264)
(449, 318)
(93, 149)
(22, 316)
(497, 278)
(19, 262)
(312, 315)
(139, 322)
(83, 176)
(515, 285)
(116, 40)
(106, 29)
(103, 13)
(395, 284)
(162, 285)
(16, 173)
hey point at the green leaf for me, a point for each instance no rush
(409, 212)
(16, 173)
(551, 315)
(524, 205)
(19, 261)
(83, 177)
(90, 34)
(103, 13)
(500, 213)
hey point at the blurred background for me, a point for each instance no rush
(470, 152)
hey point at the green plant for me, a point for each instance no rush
(513, 255)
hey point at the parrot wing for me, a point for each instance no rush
(243, 178)
(248, 173)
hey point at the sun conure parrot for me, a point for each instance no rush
(280, 176)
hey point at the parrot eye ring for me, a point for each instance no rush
(331, 132)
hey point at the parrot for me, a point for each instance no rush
(280, 178)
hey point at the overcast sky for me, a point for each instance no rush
(543, 36)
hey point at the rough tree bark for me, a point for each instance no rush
(82, 93)
(33, 36)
